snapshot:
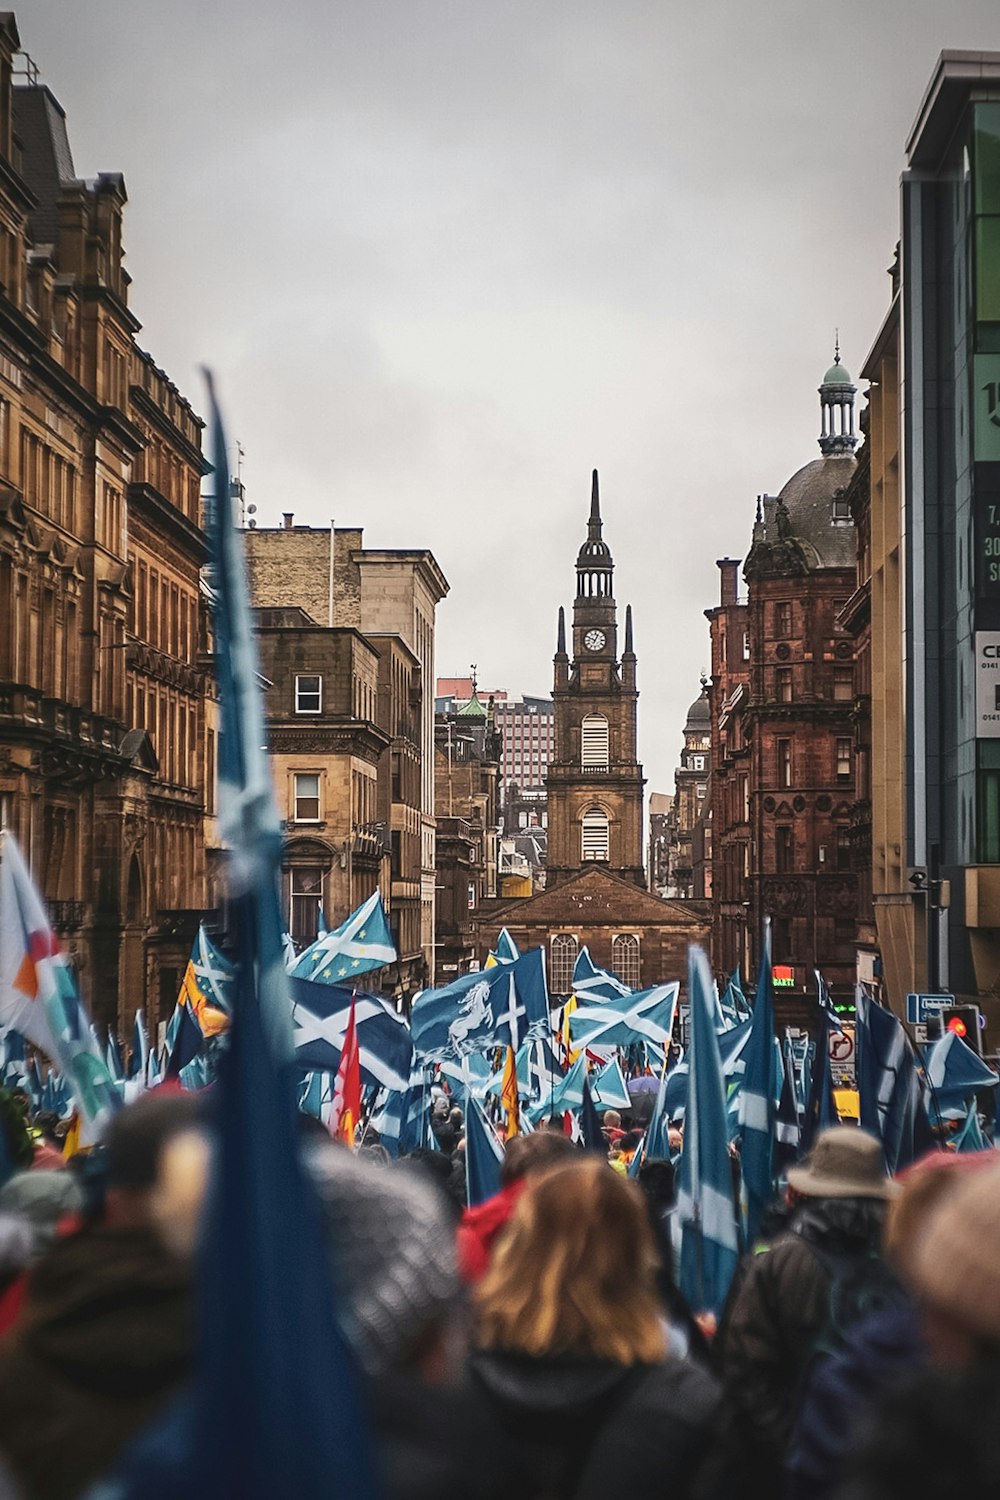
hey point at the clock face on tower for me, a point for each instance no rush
(594, 640)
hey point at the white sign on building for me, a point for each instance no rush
(988, 684)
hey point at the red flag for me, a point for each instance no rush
(346, 1112)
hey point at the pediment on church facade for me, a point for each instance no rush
(597, 897)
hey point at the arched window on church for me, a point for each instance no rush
(594, 742)
(563, 948)
(595, 834)
(625, 958)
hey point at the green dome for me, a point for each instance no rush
(837, 375)
(473, 709)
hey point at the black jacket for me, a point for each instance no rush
(773, 1325)
(105, 1338)
(584, 1429)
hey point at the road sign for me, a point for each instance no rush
(920, 1008)
(842, 1055)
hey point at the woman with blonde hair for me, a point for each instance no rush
(572, 1346)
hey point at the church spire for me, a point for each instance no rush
(594, 564)
(628, 630)
(561, 638)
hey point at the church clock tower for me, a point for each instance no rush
(594, 780)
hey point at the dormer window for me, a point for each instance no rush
(841, 507)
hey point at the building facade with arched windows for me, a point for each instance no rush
(594, 781)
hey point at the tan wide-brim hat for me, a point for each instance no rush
(845, 1162)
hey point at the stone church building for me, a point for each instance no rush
(595, 893)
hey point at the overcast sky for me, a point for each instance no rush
(446, 258)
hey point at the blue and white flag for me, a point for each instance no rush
(320, 1013)
(825, 1001)
(590, 982)
(138, 1063)
(955, 1072)
(275, 1407)
(506, 950)
(970, 1137)
(403, 1122)
(733, 1004)
(470, 1072)
(889, 1088)
(705, 1208)
(566, 1095)
(483, 1155)
(786, 1124)
(637, 1016)
(609, 1088)
(497, 1007)
(758, 1098)
(361, 943)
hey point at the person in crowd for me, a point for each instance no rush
(937, 1433)
(105, 1333)
(781, 1313)
(611, 1125)
(571, 1346)
(479, 1226)
(884, 1344)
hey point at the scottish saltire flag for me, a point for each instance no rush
(483, 1155)
(786, 1123)
(276, 1408)
(315, 1093)
(821, 1108)
(566, 1094)
(970, 1138)
(38, 994)
(825, 1001)
(362, 943)
(758, 1096)
(590, 982)
(112, 1059)
(609, 1088)
(206, 988)
(590, 1125)
(705, 1208)
(505, 952)
(186, 1045)
(498, 1007)
(637, 1016)
(955, 1072)
(881, 1051)
(733, 1004)
(472, 1072)
(139, 1060)
(320, 1016)
(403, 1122)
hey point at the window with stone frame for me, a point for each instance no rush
(844, 758)
(308, 695)
(563, 949)
(783, 618)
(595, 835)
(306, 794)
(306, 901)
(594, 741)
(625, 958)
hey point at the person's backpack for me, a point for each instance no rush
(858, 1285)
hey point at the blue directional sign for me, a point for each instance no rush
(920, 1008)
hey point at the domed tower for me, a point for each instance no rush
(799, 725)
(836, 400)
(594, 778)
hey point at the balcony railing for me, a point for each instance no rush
(67, 916)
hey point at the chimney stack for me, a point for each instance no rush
(288, 517)
(729, 567)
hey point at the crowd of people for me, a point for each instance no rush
(536, 1345)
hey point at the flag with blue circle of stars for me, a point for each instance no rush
(361, 943)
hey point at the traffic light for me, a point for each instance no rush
(963, 1020)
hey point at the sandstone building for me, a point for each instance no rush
(378, 741)
(106, 740)
(594, 781)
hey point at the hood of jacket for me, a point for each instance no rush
(551, 1385)
(110, 1309)
(846, 1225)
